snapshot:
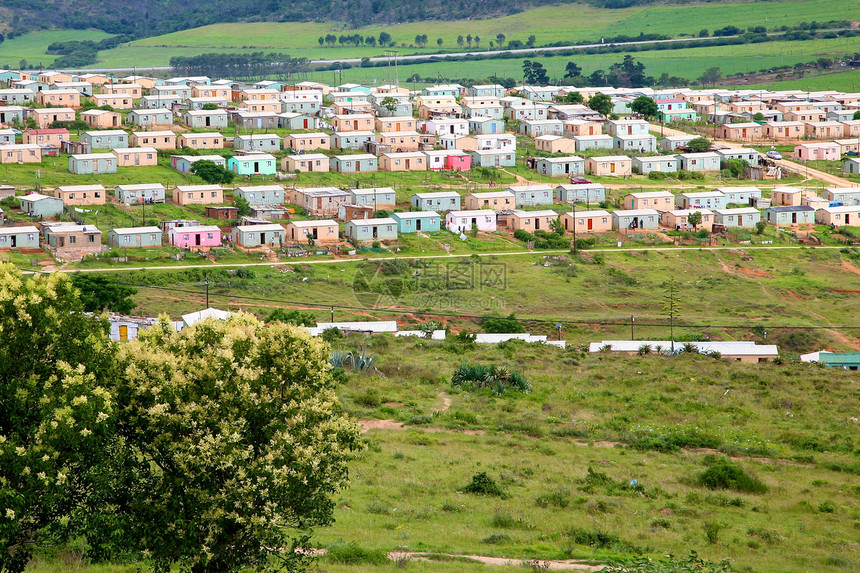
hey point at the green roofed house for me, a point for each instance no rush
(135, 237)
(415, 221)
(255, 164)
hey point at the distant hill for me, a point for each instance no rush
(143, 18)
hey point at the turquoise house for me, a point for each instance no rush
(19, 237)
(11, 114)
(256, 164)
(483, 125)
(371, 229)
(134, 237)
(38, 205)
(106, 139)
(560, 166)
(92, 163)
(362, 163)
(250, 236)
(415, 221)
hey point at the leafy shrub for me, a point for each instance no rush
(502, 325)
(353, 554)
(497, 539)
(504, 520)
(723, 474)
(591, 537)
(482, 484)
(498, 378)
(560, 498)
(370, 398)
(674, 439)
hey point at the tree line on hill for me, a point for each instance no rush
(239, 66)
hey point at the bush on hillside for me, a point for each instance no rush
(724, 474)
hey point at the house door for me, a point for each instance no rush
(375, 232)
(493, 128)
(590, 130)
(137, 159)
(635, 223)
(498, 161)
(794, 218)
(208, 122)
(114, 121)
(197, 239)
(305, 124)
(537, 224)
(590, 223)
(262, 238)
(355, 125)
(566, 226)
(357, 166)
(408, 165)
(96, 166)
(847, 220)
(15, 239)
(744, 133)
(314, 234)
(418, 223)
(612, 167)
(123, 332)
(20, 157)
(256, 167)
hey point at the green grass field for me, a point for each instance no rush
(842, 81)
(565, 23)
(31, 47)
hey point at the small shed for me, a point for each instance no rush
(133, 237)
(250, 236)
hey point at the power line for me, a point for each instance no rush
(620, 322)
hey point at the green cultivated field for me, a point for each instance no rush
(687, 63)
(31, 47)
(845, 81)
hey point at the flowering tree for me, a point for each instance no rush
(235, 445)
(55, 416)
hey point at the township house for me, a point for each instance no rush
(554, 144)
(353, 122)
(627, 127)
(193, 237)
(495, 200)
(21, 153)
(845, 195)
(635, 219)
(678, 219)
(7, 136)
(617, 165)
(75, 195)
(38, 205)
(209, 140)
(825, 151)
(46, 116)
(253, 164)
(587, 221)
(59, 98)
(250, 236)
(659, 200)
(325, 231)
(262, 142)
(707, 161)
(486, 125)
(742, 131)
(140, 193)
(784, 130)
(198, 195)
(791, 215)
(402, 141)
(580, 192)
(395, 124)
(531, 221)
(101, 119)
(379, 198)
(114, 101)
(786, 196)
(136, 156)
(749, 156)
(701, 200)
(371, 229)
(352, 139)
(560, 166)
(319, 201)
(311, 162)
(108, 139)
(73, 241)
(493, 158)
(408, 161)
(587, 142)
(643, 143)
(417, 221)
(581, 127)
(149, 117)
(11, 114)
(92, 163)
(42, 137)
(745, 217)
(130, 90)
(19, 238)
(438, 201)
(663, 163)
(183, 163)
(463, 221)
(261, 194)
(531, 195)
(135, 237)
(838, 216)
(307, 141)
(206, 118)
(740, 195)
(156, 139)
(824, 129)
(361, 163)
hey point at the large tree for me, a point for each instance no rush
(645, 106)
(210, 172)
(100, 293)
(601, 103)
(235, 443)
(55, 411)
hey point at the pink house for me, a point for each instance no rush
(192, 237)
(829, 151)
(458, 162)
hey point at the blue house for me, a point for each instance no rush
(11, 115)
(560, 166)
(371, 229)
(19, 237)
(417, 221)
(791, 215)
(531, 195)
(254, 164)
(17, 97)
(202, 118)
(644, 143)
(302, 106)
(486, 90)
(298, 121)
(351, 139)
(707, 161)
(452, 90)
(439, 201)
(148, 117)
(160, 101)
(740, 195)
(251, 236)
(493, 158)
(38, 205)
(92, 163)
(481, 125)
(182, 163)
(661, 163)
(587, 142)
(140, 193)
(133, 237)
(107, 139)
(264, 142)
(361, 163)
(580, 193)
(750, 156)
(261, 194)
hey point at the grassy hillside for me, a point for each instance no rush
(31, 47)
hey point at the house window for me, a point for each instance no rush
(72, 240)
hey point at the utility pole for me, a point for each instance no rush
(573, 214)
(206, 283)
(632, 320)
(332, 314)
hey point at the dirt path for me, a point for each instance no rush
(850, 268)
(446, 401)
(553, 565)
